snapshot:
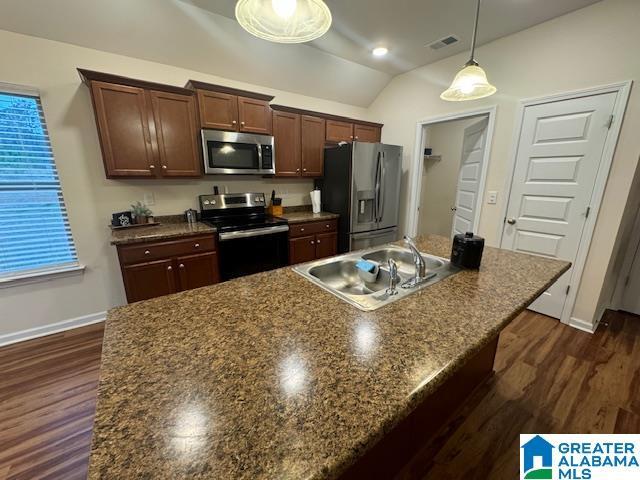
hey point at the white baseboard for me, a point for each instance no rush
(583, 325)
(36, 332)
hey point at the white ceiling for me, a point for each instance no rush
(202, 35)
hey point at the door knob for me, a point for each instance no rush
(511, 221)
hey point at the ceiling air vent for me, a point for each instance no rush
(443, 42)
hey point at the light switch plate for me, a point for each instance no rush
(492, 197)
(149, 199)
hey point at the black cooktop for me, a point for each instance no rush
(244, 222)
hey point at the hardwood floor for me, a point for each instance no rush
(549, 378)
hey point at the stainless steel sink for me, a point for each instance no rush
(340, 276)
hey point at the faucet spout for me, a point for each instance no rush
(418, 261)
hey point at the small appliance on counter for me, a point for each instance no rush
(467, 250)
(316, 200)
(191, 216)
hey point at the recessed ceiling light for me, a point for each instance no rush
(380, 51)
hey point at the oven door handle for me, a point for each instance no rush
(253, 233)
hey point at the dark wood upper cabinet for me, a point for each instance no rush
(218, 110)
(286, 132)
(366, 133)
(312, 145)
(197, 271)
(254, 115)
(122, 115)
(338, 131)
(149, 280)
(146, 129)
(177, 134)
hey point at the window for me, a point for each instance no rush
(34, 230)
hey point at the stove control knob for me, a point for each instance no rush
(207, 202)
(213, 202)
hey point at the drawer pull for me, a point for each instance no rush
(328, 226)
(317, 241)
(147, 252)
(312, 242)
(302, 229)
(197, 245)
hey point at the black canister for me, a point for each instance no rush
(467, 250)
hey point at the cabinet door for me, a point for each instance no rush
(122, 115)
(177, 134)
(255, 116)
(312, 145)
(339, 131)
(302, 250)
(218, 110)
(366, 133)
(326, 245)
(286, 133)
(148, 280)
(197, 271)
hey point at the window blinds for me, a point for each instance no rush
(34, 228)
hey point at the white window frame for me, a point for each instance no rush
(56, 271)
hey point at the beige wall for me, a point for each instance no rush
(590, 47)
(90, 197)
(440, 177)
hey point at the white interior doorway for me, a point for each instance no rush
(563, 151)
(449, 172)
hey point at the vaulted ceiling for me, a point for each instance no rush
(203, 35)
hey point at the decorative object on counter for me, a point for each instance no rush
(316, 200)
(284, 21)
(275, 207)
(467, 250)
(191, 216)
(121, 219)
(141, 212)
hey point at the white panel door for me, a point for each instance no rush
(468, 190)
(557, 160)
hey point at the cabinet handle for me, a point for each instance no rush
(312, 242)
(164, 167)
(302, 229)
(147, 252)
(181, 265)
(297, 169)
(351, 137)
(356, 137)
(197, 245)
(317, 241)
(151, 167)
(233, 122)
(242, 123)
(169, 268)
(304, 169)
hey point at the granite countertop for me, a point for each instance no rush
(307, 216)
(158, 232)
(270, 376)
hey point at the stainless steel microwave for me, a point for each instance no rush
(236, 153)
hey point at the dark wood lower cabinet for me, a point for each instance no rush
(197, 271)
(312, 240)
(148, 280)
(326, 245)
(153, 269)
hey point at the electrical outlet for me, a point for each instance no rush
(492, 197)
(149, 199)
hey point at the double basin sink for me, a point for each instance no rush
(340, 276)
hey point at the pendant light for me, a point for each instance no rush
(471, 82)
(284, 21)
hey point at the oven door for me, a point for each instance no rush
(252, 251)
(234, 153)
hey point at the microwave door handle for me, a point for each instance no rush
(259, 156)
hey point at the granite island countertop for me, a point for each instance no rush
(270, 376)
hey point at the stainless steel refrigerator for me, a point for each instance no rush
(362, 183)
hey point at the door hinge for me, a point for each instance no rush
(586, 215)
(568, 288)
(611, 117)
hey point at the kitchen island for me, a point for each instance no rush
(270, 376)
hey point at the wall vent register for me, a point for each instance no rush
(35, 237)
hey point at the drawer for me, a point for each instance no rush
(302, 229)
(147, 251)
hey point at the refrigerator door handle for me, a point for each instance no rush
(376, 200)
(383, 175)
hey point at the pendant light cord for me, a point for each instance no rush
(472, 60)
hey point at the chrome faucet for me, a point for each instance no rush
(418, 261)
(393, 278)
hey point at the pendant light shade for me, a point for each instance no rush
(284, 21)
(471, 82)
